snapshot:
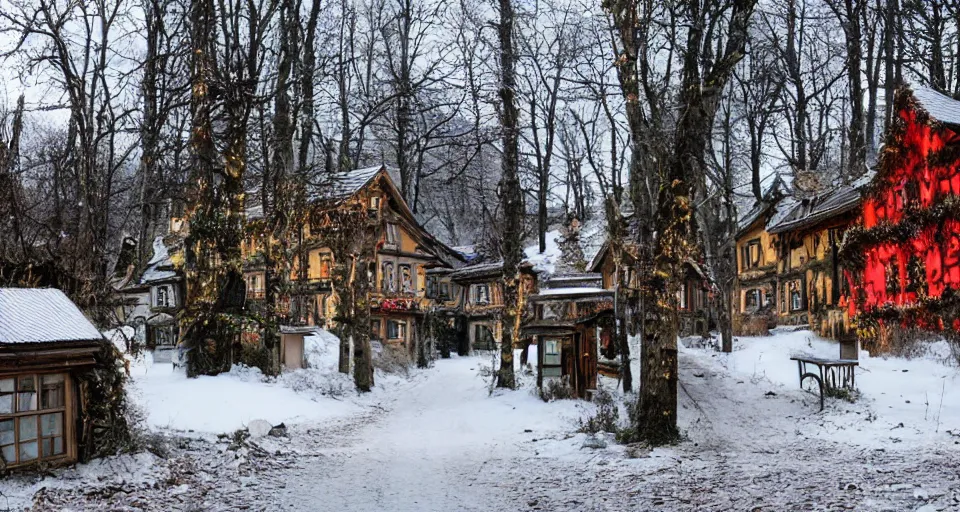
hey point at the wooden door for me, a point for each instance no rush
(293, 351)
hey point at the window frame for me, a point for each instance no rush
(476, 289)
(162, 297)
(392, 236)
(406, 284)
(751, 260)
(38, 413)
(400, 327)
(798, 300)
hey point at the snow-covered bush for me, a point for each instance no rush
(393, 360)
(607, 418)
(557, 389)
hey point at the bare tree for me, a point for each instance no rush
(511, 199)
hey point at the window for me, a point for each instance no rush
(483, 338)
(911, 194)
(163, 336)
(481, 294)
(396, 330)
(445, 291)
(916, 275)
(32, 417)
(750, 255)
(389, 278)
(431, 287)
(375, 329)
(393, 234)
(751, 301)
(375, 203)
(406, 279)
(836, 236)
(163, 297)
(796, 300)
(795, 289)
(682, 296)
(326, 263)
(893, 278)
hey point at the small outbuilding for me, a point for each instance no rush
(292, 353)
(56, 400)
(571, 326)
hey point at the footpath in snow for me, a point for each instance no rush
(437, 439)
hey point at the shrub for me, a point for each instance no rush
(899, 341)
(606, 419)
(557, 389)
(394, 360)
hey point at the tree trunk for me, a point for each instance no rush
(889, 85)
(511, 198)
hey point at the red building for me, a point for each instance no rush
(903, 257)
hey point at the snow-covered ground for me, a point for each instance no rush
(437, 439)
(914, 401)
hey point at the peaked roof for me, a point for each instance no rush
(42, 315)
(796, 213)
(940, 106)
(333, 187)
(160, 267)
(342, 185)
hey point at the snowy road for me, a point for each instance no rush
(442, 444)
(445, 445)
(439, 442)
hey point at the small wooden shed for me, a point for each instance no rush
(292, 350)
(46, 345)
(570, 325)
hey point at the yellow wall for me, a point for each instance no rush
(768, 252)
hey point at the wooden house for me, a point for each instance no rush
(572, 326)
(756, 283)
(47, 346)
(404, 254)
(155, 298)
(806, 234)
(903, 255)
(694, 298)
(481, 300)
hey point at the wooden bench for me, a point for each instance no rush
(830, 374)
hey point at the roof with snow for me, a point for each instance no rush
(42, 315)
(160, 267)
(578, 279)
(477, 271)
(335, 187)
(342, 185)
(793, 213)
(942, 107)
(583, 292)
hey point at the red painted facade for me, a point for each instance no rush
(910, 244)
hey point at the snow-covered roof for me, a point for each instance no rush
(336, 186)
(477, 271)
(576, 292)
(342, 185)
(797, 213)
(160, 266)
(942, 107)
(42, 315)
(579, 279)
